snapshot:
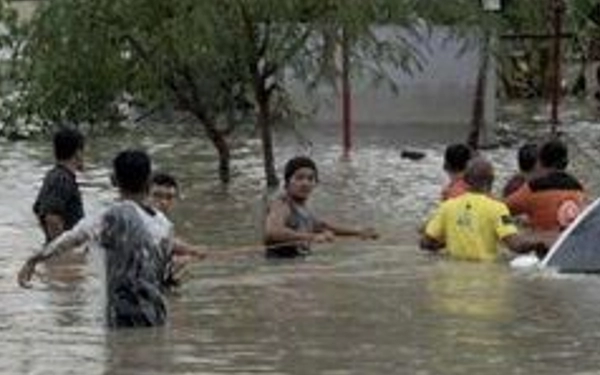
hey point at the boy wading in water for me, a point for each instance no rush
(58, 205)
(290, 226)
(456, 158)
(164, 194)
(136, 242)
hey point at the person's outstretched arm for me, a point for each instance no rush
(182, 248)
(521, 243)
(66, 241)
(366, 233)
(430, 243)
(433, 233)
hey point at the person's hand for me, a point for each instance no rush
(25, 273)
(180, 268)
(323, 237)
(181, 261)
(540, 249)
(368, 234)
(198, 255)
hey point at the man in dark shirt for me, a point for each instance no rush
(456, 158)
(527, 159)
(58, 205)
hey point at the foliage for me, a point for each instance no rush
(220, 60)
(81, 58)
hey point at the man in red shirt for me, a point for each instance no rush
(552, 199)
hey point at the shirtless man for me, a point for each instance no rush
(290, 226)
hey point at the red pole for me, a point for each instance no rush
(346, 98)
(558, 8)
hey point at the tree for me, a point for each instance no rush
(8, 30)
(528, 26)
(269, 36)
(80, 57)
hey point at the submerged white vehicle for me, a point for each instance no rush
(577, 250)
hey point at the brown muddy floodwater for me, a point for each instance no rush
(351, 308)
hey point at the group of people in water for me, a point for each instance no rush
(537, 204)
(144, 259)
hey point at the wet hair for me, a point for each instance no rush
(132, 170)
(527, 157)
(479, 174)
(164, 179)
(67, 142)
(296, 163)
(554, 154)
(456, 157)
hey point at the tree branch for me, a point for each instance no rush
(273, 66)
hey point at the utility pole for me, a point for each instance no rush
(478, 118)
(479, 102)
(558, 8)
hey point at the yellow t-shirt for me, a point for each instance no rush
(471, 225)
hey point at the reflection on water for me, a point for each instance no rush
(464, 293)
(351, 308)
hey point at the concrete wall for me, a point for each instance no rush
(441, 93)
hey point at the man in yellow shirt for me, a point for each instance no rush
(470, 226)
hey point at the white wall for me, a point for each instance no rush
(442, 92)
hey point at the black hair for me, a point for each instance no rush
(527, 157)
(132, 170)
(554, 154)
(164, 179)
(296, 163)
(456, 157)
(67, 142)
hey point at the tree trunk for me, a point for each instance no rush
(346, 97)
(224, 158)
(218, 140)
(193, 104)
(478, 119)
(266, 135)
(259, 68)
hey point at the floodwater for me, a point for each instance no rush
(351, 308)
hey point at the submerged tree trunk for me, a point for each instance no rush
(187, 95)
(261, 70)
(478, 116)
(219, 141)
(266, 134)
